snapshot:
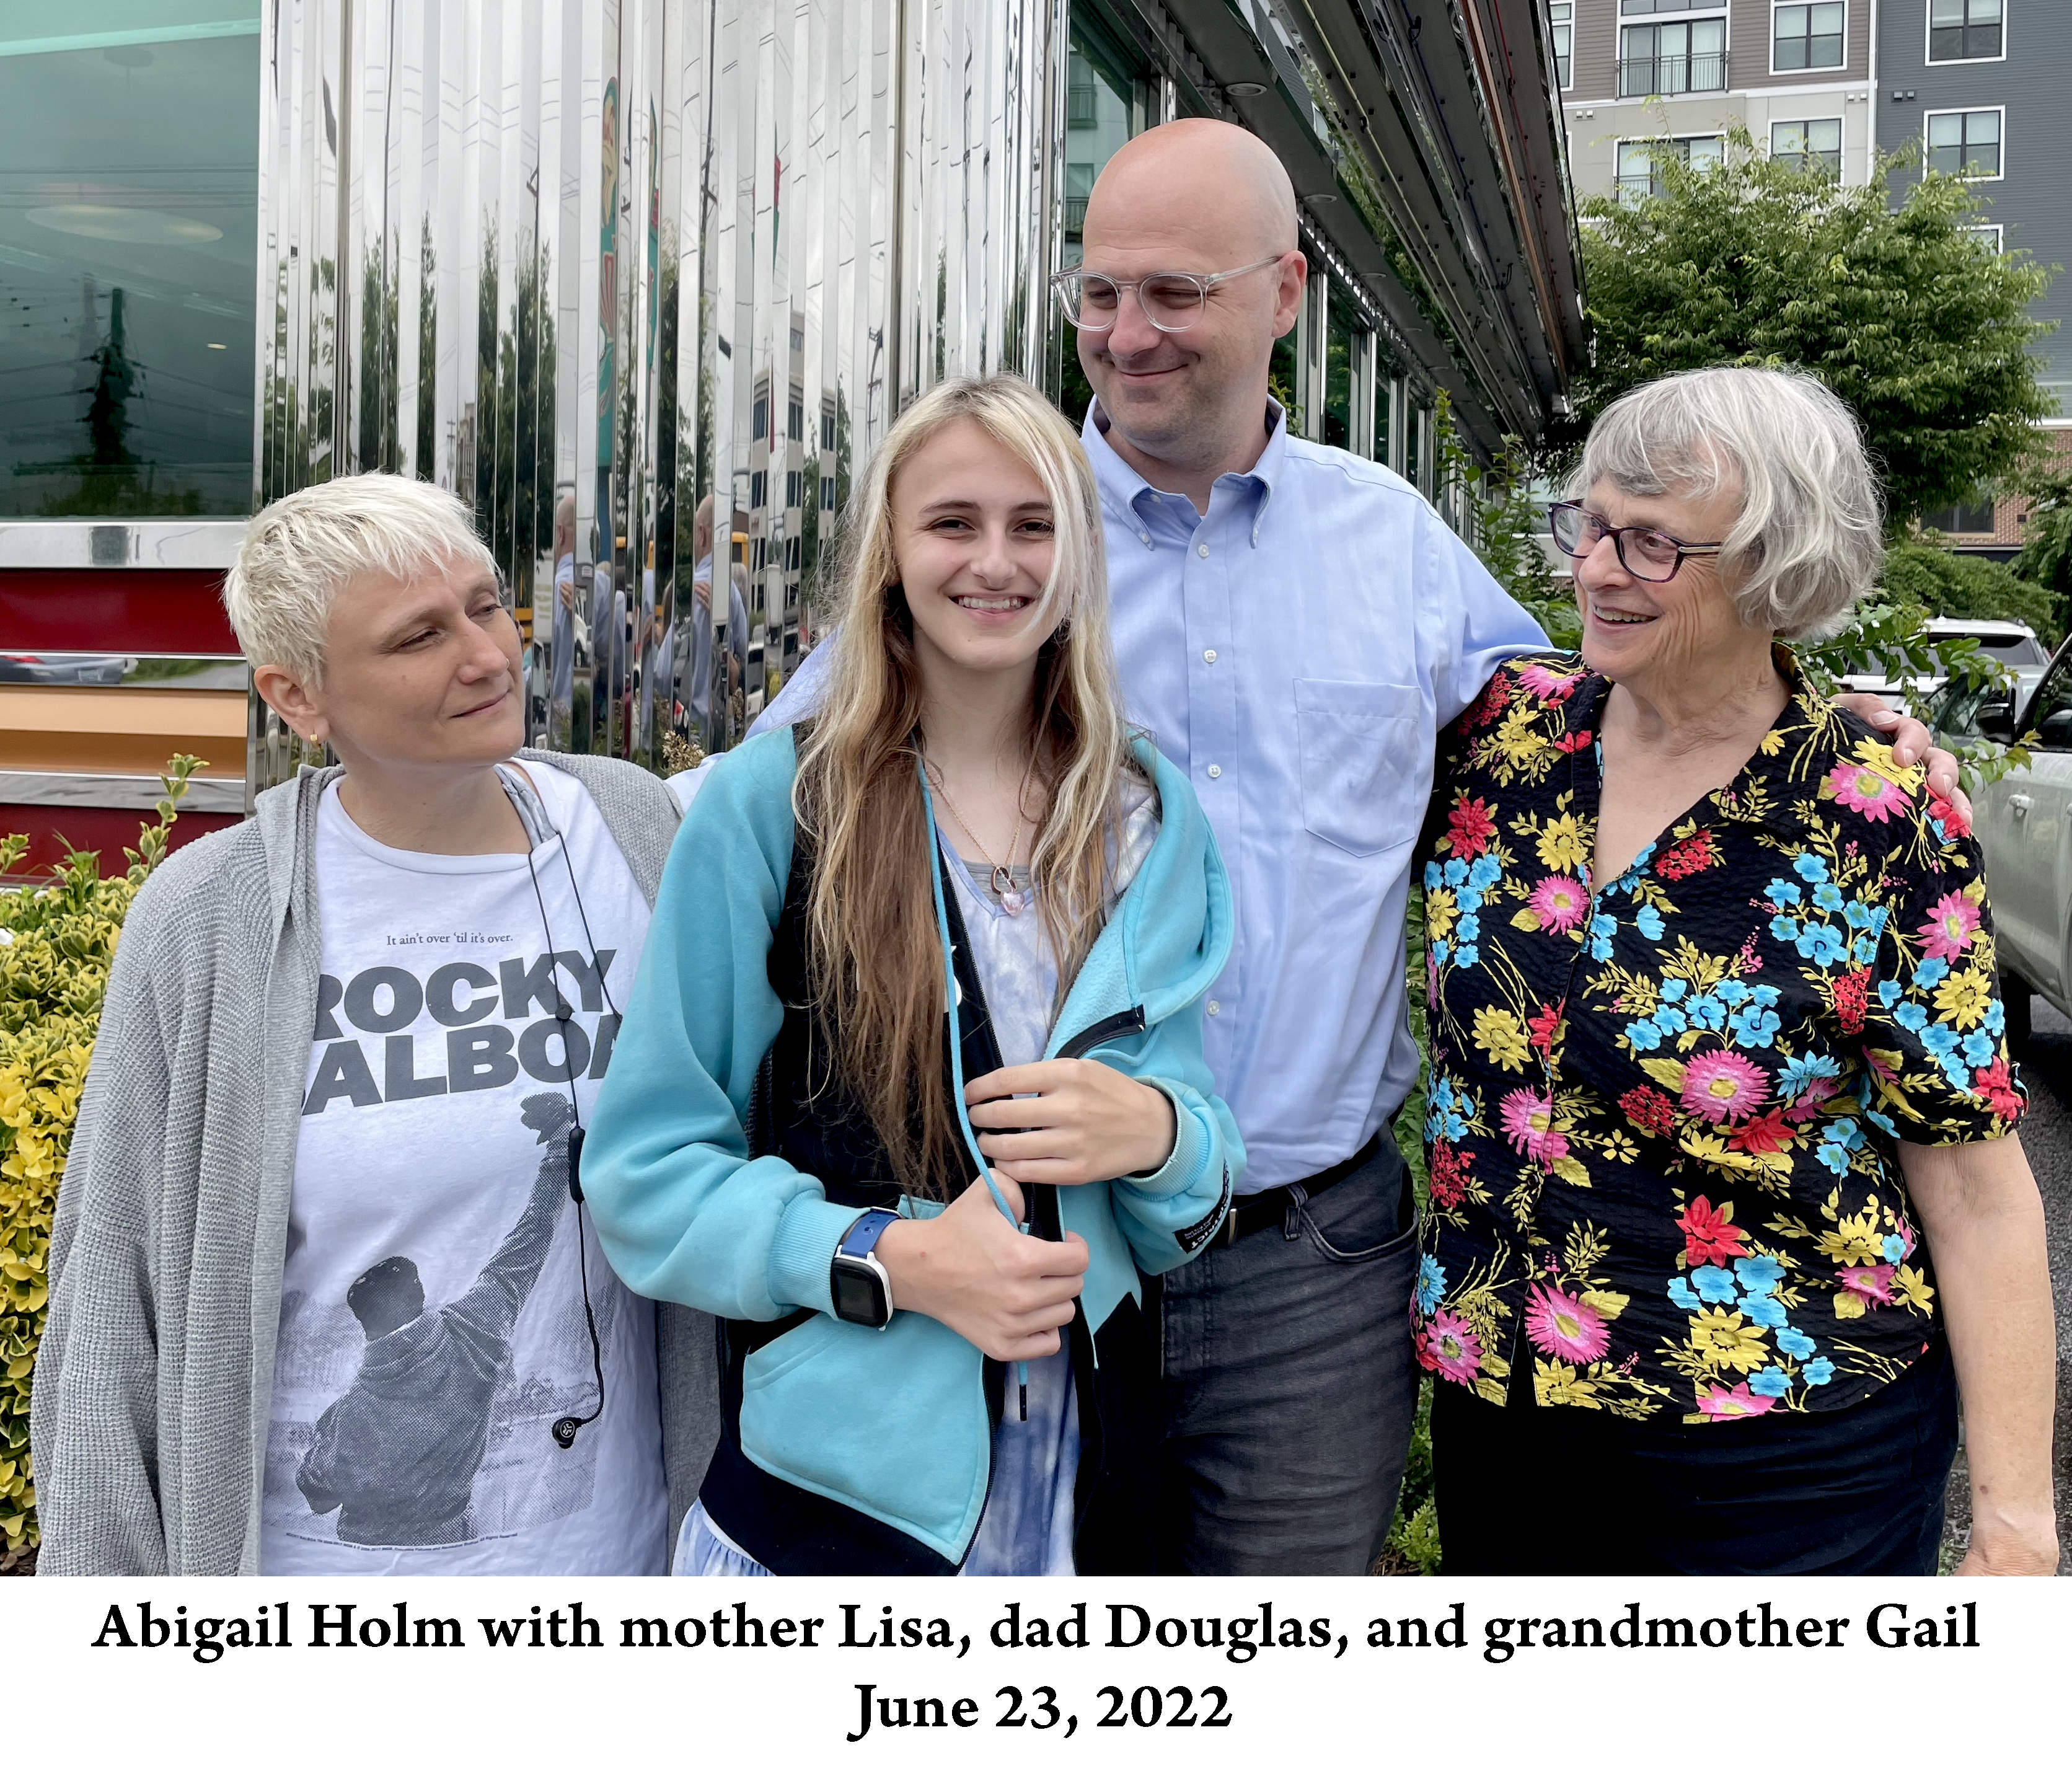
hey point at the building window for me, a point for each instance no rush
(1806, 36)
(794, 490)
(129, 239)
(1988, 235)
(1960, 518)
(762, 417)
(1561, 15)
(827, 431)
(1965, 31)
(1082, 95)
(1664, 59)
(758, 489)
(1816, 141)
(795, 420)
(1639, 161)
(1965, 143)
(828, 492)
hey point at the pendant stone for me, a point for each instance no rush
(1003, 885)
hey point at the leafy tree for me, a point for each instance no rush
(1898, 309)
(2046, 549)
(1950, 584)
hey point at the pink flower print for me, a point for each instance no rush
(1873, 796)
(1722, 1402)
(1560, 903)
(1449, 1348)
(1724, 1087)
(1528, 1125)
(1544, 685)
(1873, 1284)
(1948, 930)
(1560, 1325)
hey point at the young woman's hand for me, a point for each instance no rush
(1087, 1122)
(1002, 1290)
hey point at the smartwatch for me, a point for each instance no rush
(858, 1284)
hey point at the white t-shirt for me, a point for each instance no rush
(431, 1325)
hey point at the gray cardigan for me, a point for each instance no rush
(154, 1383)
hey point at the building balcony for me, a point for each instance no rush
(1670, 76)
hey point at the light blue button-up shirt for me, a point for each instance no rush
(1296, 651)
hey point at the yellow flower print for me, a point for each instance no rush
(1855, 1238)
(1726, 1340)
(1556, 1382)
(1441, 912)
(1963, 997)
(1501, 1037)
(1562, 844)
(1910, 1288)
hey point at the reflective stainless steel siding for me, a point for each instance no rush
(616, 255)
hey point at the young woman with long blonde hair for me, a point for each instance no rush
(910, 1090)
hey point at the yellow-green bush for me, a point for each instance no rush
(56, 944)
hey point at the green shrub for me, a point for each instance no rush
(1949, 585)
(56, 945)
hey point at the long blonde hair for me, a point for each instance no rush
(874, 954)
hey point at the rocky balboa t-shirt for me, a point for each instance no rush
(432, 1324)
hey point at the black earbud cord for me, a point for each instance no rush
(565, 1429)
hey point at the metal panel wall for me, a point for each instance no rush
(592, 262)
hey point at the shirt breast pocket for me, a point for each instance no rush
(1367, 762)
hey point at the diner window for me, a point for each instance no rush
(1639, 162)
(129, 211)
(1815, 142)
(1662, 60)
(1966, 31)
(1965, 143)
(1806, 36)
(1561, 21)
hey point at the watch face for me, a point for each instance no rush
(858, 1296)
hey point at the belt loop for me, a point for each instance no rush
(1291, 1226)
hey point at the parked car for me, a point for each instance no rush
(2023, 823)
(21, 667)
(2005, 641)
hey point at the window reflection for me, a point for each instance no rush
(128, 203)
(1107, 101)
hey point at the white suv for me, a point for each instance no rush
(2023, 823)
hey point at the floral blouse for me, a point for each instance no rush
(1661, 1119)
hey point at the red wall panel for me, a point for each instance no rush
(105, 831)
(126, 612)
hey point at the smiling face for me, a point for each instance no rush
(418, 675)
(1634, 631)
(1192, 196)
(974, 535)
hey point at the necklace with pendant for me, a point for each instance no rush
(1000, 877)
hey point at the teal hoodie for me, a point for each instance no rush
(893, 1423)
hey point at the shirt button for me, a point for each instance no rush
(1208, 656)
(1216, 772)
(1201, 551)
(1145, 538)
(1215, 1006)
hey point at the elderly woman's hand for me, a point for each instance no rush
(1911, 744)
(2026, 1545)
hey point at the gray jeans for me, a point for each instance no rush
(1289, 1387)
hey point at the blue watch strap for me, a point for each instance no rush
(863, 1236)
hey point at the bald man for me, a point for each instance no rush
(1295, 625)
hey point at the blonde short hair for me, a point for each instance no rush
(299, 552)
(1807, 542)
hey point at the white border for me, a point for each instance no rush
(1967, 110)
(1840, 123)
(1839, 67)
(1927, 27)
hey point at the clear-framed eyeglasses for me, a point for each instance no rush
(1171, 299)
(1643, 552)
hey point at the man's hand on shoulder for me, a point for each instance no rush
(1911, 745)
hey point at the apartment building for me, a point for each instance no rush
(1975, 89)
(1799, 73)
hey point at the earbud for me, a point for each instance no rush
(565, 1430)
(575, 1163)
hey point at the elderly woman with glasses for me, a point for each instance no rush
(1720, 1117)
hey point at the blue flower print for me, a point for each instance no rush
(1930, 971)
(1979, 1049)
(1827, 895)
(1713, 1285)
(1764, 1310)
(1754, 1027)
(1644, 1033)
(1771, 1383)
(1759, 1275)
(1818, 1372)
(1885, 1125)
(1811, 866)
(1442, 949)
(1734, 993)
(1674, 989)
(1858, 915)
(1795, 1344)
(1864, 950)
(1431, 1284)
(1801, 1070)
(1994, 1023)
(1912, 1016)
(1468, 901)
(1784, 929)
(1467, 957)
(1894, 1248)
(1832, 1156)
(1888, 993)
(1468, 928)
(1649, 922)
(1680, 1295)
(1485, 872)
(1671, 1021)
(1822, 945)
(1433, 875)
(1784, 891)
(1939, 1040)
(1708, 1011)
(1602, 927)
(1456, 872)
